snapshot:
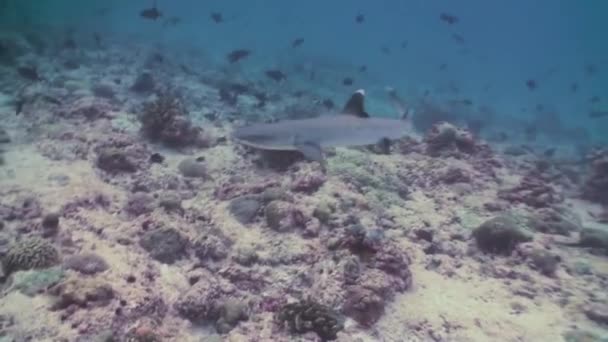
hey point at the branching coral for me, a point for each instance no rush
(166, 120)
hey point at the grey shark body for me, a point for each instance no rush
(353, 127)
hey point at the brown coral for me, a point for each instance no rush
(166, 120)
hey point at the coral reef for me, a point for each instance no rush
(596, 185)
(305, 316)
(166, 245)
(86, 263)
(81, 293)
(533, 191)
(500, 235)
(165, 120)
(29, 254)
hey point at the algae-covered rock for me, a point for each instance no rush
(594, 238)
(279, 215)
(166, 245)
(86, 263)
(551, 221)
(33, 282)
(306, 316)
(231, 312)
(193, 168)
(245, 208)
(544, 261)
(582, 336)
(29, 254)
(81, 292)
(500, 235)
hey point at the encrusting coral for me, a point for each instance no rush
(306, 316)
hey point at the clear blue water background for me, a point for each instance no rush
(507, 43)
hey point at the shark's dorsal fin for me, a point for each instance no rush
(356, 105)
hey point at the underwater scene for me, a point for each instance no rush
(277, 171)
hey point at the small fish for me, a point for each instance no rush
(237, 55)
(185, 69)
(386, 50)
(19, 103)
(448, 18)
(328, 103)
(550, 152)
(540, 107)
(443, 67)
(151, 13)
(172, 22)
(531, 84)
(574, 87)
(594, 99)
(297, 42)
(363, 68)
(360, 18)
(596, 114)
(404, 44)
(458, 38)
(70, 43)
(348, 81)
(217, 17)
(97, 39)
(276, 75)
(590, 69)
(50, 99)
(30, 73)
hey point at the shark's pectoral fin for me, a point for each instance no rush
(311, 151)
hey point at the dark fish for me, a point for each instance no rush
(185, 69)
(594, 99)
(238, 88)
(172, 22)
(151, 13)
(531, 84)
(386, 50)
(102, 11)
(574, 87)
(404, 44)
(51, 99)
(69, 43)
(596, 114)
(19, 103)
(590, 69)
(97, 39)
(237, 55)
(328, 103)
(297, 42)
(157, 58)
(347, 81)
(363, 68)
(467, 102)
(458, 38)
(262, 99)
(448, 18)
(443, 67)
(276, 75)
(540, 107)
(227, 96)
(30, 73)
(550, 152)
(217, 17)
(360, 18)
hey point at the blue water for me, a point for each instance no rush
(505, 44)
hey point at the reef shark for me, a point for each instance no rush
(351, 127)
